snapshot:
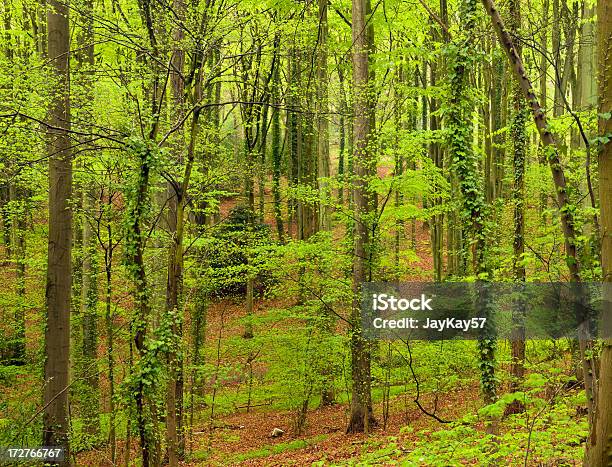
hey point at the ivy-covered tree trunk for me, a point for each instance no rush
(109, 247)
(599, 444)
(518, 133)
(276, 141)
(135, 248)
(56, 429)
(465, 164)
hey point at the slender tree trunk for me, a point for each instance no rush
(89, 254)
(599, 444)
(294, 134)
(20, 256)
(488, 111)
(108, 317)
(136, 240)
(18, 228)
(323, 161)
(59, 275)
(89, 317)
(518, 133)
(399, 162)
(543, 96)
(276, 141)
(557, 59)
(174, 284)
(6, 220)
(435, 153)
(344, 152)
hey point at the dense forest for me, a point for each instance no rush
(193, 194)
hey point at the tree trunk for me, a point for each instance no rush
(543, 98)
(361, 417)
(295, 135)
(108, 318)
(59, 274)
(276, 142)
(599, 444)
(89, 317)
(323, 161)
(174, 284)
(465, 164)
(89, 258)
(436, 155)
(18, 227)
(518, 133)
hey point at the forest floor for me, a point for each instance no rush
(246, 439)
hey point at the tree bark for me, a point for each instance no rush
(174, 284)
(518, 133)
(599, 444)
(276, 142)
(323, 161)
(59, 274)
(361, 418)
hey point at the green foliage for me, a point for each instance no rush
(239, 248)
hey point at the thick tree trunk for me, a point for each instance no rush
(361, 417)
(599, 444)
(59, 274)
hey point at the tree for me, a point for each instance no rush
(518, 133)
(89, 256)
(361, 402)
(323, 160)
(599, 444)
(59, 275)
(465, 165)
